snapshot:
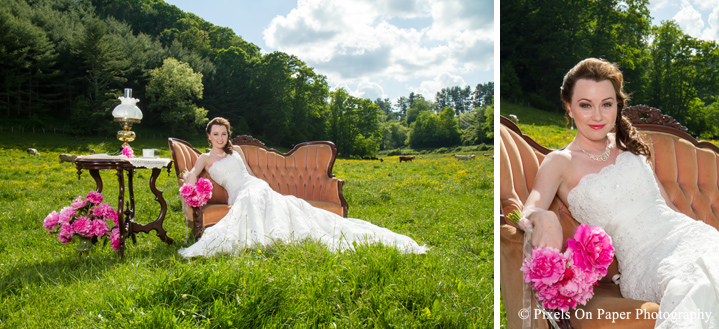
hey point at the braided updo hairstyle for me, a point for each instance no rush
(627, 137)
(221, 122)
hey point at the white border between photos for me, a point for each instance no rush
(497, 315)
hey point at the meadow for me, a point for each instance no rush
(437, 200)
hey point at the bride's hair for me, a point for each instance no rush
(628, 138)
(221, 122)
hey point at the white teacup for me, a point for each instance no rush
(148, 153)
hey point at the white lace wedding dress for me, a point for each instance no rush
(259, 216)
(663, 256)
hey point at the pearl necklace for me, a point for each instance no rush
(219, 155)
(602, 157)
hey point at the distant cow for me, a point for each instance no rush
(514, 118)
(406, 158)
(464, 157)
(67, 158)
(32, 151)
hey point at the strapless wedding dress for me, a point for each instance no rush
(260, 216)
(663, 256)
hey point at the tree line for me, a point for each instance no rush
(65, 62)
(662, 66)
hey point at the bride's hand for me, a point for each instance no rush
(547, 230)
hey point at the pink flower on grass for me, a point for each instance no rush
(127, 151)
(78, 203)
(66, 215)
(545, 267)
(99, 228)
(105, 211)
(115, 238)
(83, 226)
(51, 220)
(65, 234)
(94, 197)
(591, 249)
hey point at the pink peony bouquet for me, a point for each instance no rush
(85, 218)
(127, 151)
(197, 195)
(564, 280)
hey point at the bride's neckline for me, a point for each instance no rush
(590, 175)
(214, 163)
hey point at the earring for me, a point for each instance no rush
(571, 120)
(209, 142)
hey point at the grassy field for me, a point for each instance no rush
(549, 129)
(438, 201)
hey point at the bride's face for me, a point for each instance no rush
(593, 108)
(218, 136)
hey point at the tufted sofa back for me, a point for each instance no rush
(305, 171)
(688, 171)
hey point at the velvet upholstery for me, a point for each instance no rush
(687, 169)
(304, 172)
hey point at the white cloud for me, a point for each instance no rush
(712, 32)
(408, 41)
(689, 19)
(429, 88)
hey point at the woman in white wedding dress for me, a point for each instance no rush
(605, 178)
(260, 216)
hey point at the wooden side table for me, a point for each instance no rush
(126, 218)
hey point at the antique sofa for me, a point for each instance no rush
(686, 168)
(304, 172)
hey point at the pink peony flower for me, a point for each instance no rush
(66, 215)
(106, 211)
(78, 203)
(591, 249)
(127, 151)
(83, 226)
(94, 197)
(186, 190)
(65, 234)
(51, 220)
(545, 266)
(99, 228)
(115, 238)
(204, 186)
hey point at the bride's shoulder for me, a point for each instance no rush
(558, 157)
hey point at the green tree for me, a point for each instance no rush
(354, 125)
(432, 130)
(173, 90)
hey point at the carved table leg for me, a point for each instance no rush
(130, 212)
(98, 180)
(157, 223)
(120, 214)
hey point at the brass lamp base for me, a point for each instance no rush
(125, 135)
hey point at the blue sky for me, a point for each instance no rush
(372, 48)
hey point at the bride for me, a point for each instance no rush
(260, 216)
(605, 178)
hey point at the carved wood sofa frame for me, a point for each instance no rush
(688, 170)
(304, 172)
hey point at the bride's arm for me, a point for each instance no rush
(242, 155)
(191, 175)
(547, 230)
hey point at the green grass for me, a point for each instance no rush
(549, 129)
(441, 202)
